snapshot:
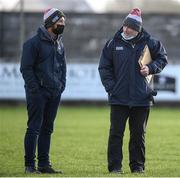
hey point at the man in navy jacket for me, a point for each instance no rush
(43, 68)
(129, 93)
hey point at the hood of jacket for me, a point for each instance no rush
(44, 35)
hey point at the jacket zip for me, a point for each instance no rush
(132, 77)
(54, 60)
(130, 74)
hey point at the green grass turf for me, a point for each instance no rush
(79, 142)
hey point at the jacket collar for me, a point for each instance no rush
(143, 35)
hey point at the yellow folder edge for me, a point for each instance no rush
(144, 59)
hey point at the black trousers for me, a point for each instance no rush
(42, 108)
(138, 117)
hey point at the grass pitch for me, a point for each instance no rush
(79, 142)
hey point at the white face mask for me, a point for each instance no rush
(127, 37)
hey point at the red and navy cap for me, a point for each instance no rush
(134, 20)
(51, 16)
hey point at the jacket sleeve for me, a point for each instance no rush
(29, 56)
(106, 67)
(63, 80)
(159, 57)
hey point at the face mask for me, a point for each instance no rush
(58, 30)
(127, 37)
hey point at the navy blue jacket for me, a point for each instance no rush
(43, 63)
(120, 72)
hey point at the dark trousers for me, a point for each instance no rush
(138, 117)
(42, 108)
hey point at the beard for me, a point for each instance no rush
(58, 30)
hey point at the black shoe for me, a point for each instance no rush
(139, 170)
(31, 170)
(48, 170)
(116, 171)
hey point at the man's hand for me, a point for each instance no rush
(144, 70)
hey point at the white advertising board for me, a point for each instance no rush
(83, 83)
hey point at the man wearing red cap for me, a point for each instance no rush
(43, 68)
(129, 93)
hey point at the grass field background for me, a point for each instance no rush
(79, 142)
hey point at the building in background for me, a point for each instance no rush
(89, 23)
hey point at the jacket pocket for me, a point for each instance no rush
(112, 92)
(143, 90)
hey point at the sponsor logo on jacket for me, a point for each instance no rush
(119, 48)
